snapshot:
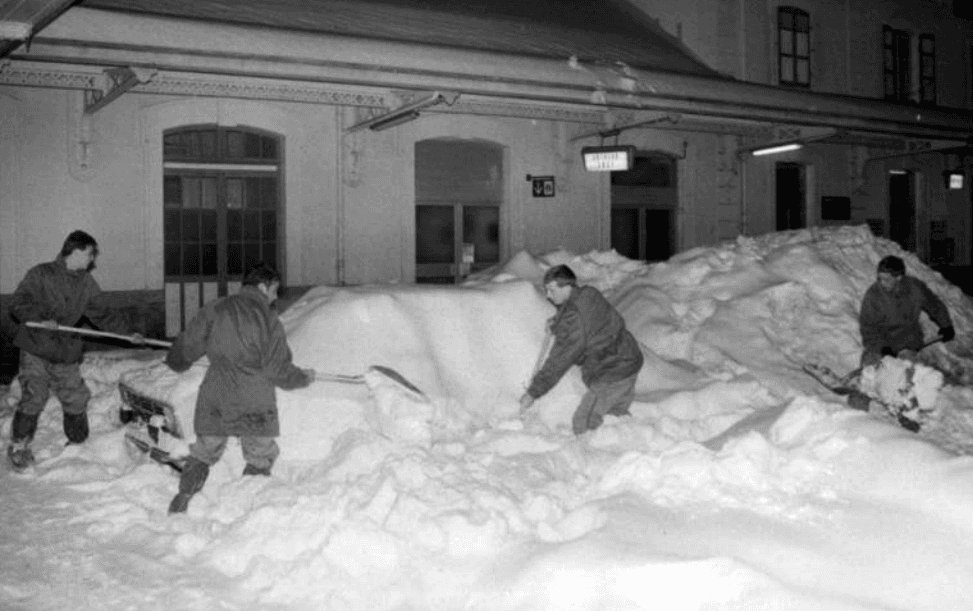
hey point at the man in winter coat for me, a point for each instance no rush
(248, 358)
(58, 293)
(889, 317)
(588, 332)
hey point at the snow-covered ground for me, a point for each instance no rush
(738, 483)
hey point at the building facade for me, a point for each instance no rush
(435, 144)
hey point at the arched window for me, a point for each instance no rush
(794, 42)
(222, 212)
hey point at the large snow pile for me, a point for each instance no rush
(739, 482)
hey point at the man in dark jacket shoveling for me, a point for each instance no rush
(889, 320)
(890, 311)
(591, 333)
(55, 294)
(248, 358)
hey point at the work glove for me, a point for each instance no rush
(525, 402)
(947, 333)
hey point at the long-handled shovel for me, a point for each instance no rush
(94, 333)
(322, 376)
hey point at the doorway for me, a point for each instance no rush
(902, 209)
(222, 213)
(643, 208)
(459, 196)
(791, 196)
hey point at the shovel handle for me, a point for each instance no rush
(94, 333)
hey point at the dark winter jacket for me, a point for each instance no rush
(891, 319)
(591, 333)
(50, 291)
(248, 357)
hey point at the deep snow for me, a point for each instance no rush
(738, 483)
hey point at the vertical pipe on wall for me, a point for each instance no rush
(339, 182)
(744, 221)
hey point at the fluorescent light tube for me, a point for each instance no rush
(782, 148)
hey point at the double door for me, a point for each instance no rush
(455, 240)
(216, 226)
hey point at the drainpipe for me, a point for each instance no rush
(339, 226)
(744, 220)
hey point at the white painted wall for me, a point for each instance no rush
(360, 185)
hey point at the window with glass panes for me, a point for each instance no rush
(895, 64)
(222, 209)
(794, 40)
(927, 69)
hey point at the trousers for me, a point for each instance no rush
(261, 452)
(38, 377)
(603, 398)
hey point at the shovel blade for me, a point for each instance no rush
(398, 378)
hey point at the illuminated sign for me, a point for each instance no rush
(954, 180)
(608, 158)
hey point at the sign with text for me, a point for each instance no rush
(618, 158)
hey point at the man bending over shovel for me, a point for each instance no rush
(591, 333)
(248, 358)
(889, 317)
(52, 295)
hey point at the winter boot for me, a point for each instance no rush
(76, 427)
(194, 475)
(19, 454)
(251, 470)
(21, 434)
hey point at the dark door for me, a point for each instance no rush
(453, 241)
(643, 233)
(222, 213)
(791, 206)
(459, 196)
(902, 210)
(643, 214)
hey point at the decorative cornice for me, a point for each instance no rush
(30, 76)
(284, 91)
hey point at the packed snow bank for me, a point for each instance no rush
(737, 483)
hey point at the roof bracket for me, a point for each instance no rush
(116, 81)
(404, 113)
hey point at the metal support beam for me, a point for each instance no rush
(404, 113)
(118, 81)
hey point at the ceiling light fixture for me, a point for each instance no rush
(780, 148)
(404, 113)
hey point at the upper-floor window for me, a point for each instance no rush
(794, 37)
(895, 50)
(927, 69)
(902, 83)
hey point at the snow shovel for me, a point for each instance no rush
(94, 333)
(324, 376)
(388, 372)
(846, 384)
